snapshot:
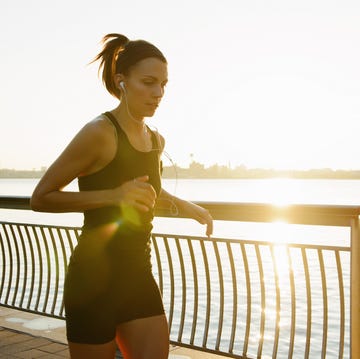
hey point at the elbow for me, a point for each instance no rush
(37, 203)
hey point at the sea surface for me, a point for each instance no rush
(279, 191)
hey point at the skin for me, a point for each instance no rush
(91, 150)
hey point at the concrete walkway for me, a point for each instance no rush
(26, 335)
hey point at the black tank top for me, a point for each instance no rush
(127, 164)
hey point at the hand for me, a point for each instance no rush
(137, 193)
(198, 213)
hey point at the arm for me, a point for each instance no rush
(91, 149)
(181, 207)
(186, 209)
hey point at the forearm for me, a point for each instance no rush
(169, 202)
(186, 209)
(62, 201)
(166, 196)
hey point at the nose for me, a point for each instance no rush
(159, 91)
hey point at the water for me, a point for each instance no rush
(276, 191)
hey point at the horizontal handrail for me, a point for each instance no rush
(15, 202)
(312, 214)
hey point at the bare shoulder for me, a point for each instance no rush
(99, 129)
(95, 140)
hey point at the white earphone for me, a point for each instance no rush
(122, 85)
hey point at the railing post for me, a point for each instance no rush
(355, 290)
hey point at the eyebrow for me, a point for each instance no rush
(154, 78)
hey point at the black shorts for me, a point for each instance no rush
(109, 283)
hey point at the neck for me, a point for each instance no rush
(126, 120)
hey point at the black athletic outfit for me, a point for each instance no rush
(109, 279)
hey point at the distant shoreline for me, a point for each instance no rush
(198, 171)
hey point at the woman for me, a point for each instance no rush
(111, 297)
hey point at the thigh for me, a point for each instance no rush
(138, 297)
(144, 338)
(92, 351)
(91, 323)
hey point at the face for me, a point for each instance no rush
(145, 85)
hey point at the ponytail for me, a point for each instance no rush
(119, 54)
(112, 45)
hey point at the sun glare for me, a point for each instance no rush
(280, 233)
(282, 193)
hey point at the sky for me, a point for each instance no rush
(265, 84)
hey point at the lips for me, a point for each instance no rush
(153, 105)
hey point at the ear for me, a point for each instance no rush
(118, 78)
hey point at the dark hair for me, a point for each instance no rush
(119, 54)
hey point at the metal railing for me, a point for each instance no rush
(236, 297)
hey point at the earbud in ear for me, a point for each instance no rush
(122, 85)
